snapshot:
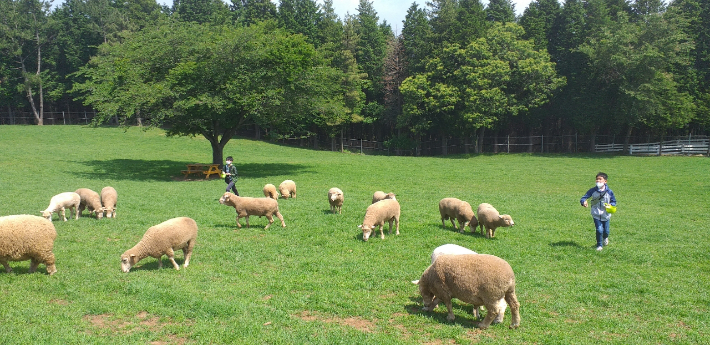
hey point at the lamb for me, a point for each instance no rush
(26, 237)
(453, 249)
(452, 208)
(90, 200)
(336, 198)
(489, 218)
(109, 197)
(380, 195)
(270, 191)
(477, 279)
(61, 202)
(163, 239)
(377, 214)
(288, 189)
(246, 207)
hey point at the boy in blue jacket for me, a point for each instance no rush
(598, 197)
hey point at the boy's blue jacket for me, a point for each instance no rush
(596, 202)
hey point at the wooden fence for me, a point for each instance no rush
(671, 147)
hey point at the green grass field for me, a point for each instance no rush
(316, 281)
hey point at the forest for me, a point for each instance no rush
(459, 70)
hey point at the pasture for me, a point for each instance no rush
(316, 281)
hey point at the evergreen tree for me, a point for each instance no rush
(249, 12)
(501, 11)
(538, 19)
(416, 39)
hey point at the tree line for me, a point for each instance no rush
(457, 70)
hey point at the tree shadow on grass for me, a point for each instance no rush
(169, 170)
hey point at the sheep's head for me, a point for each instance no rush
(226, 199)
(127, 261)
(100, 213)
(507, 220)
(366, 231)
(47, 214)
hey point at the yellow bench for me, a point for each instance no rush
(206, 169)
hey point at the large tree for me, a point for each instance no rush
(209, 81)
(25, 32)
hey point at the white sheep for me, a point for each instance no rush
(452, 208)
(163, 239)
(380, 195)
(490, 219)
(109, 199)
(335, 199)
(453, 249)
(377, 214)
(288, 189)
(476, 279)
(61, 202)
(246, 206)
(270, 191)
(90, 200)
(26, 237)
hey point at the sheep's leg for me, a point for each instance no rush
(281, 218)
(238, 225)
(450, 316)
(512, 301)
(160, 262)
(33, 265)
(187, 252)
(396, 221)
(7, 267)
(247, 219)
(493, 232)
(491, 313)
(271, 220)
(382, 234)
(390, 222)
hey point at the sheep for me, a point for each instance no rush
(452, 208)
(288, 189)
(26, 237)
(380, 195)
(477, 279)
(336, 198)
(270, 191)
(90, 200)
(246, 207)
(489, 218)
(109, 198)
(61, 202)
(377, 214)
(453, 249)
(163, 239)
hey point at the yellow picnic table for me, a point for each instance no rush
(207, 169)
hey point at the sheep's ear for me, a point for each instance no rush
(416, 282)
(133, 255)
(360, 226)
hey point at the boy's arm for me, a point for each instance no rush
(586, 196)
(612, 198)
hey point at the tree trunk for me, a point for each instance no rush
(627, 139)
(444, 145)
(593, 140)
(495, 144)
(466, 142)
(479, 142)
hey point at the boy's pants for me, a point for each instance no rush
(231, 186)
(602, 227)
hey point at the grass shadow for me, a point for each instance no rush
(565, 244)
(169, 170)
(440, 313)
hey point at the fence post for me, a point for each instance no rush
(542, 144)
(508, 143)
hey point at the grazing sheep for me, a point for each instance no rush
(163, 239)
(377, 214)
(61, 202)
(90, 200)
(26, 237)
(380, 195)
(335, 198)
(109, 198)
(246, 207)
(453, 249)
(288, 189)
(452, 208)
(270, 191)
(476, 279)
(489, 218)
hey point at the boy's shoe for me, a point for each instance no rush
(606, 241)
(599, 249)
